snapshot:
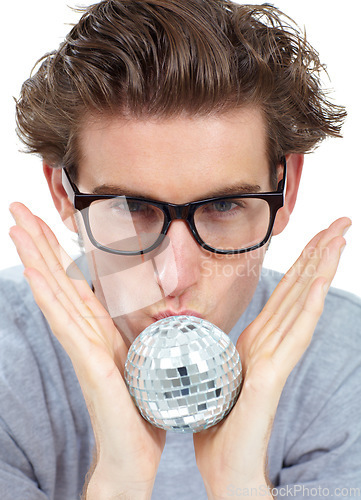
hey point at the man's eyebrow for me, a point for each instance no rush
(234, 190)
(116, 190)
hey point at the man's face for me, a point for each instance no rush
(178, 160)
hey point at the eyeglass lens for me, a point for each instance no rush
(131, 225)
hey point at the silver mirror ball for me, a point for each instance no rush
(184, 374)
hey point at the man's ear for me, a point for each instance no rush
(294, 171)
(60, 198)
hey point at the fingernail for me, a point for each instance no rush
(342, 249)
(11, 231)
(346, 229)
(325, 288)
(12, 206)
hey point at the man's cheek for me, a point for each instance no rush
(128, 290)
(206, 268)
(230, 267)
(126, 284)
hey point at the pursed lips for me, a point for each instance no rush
(167, 313)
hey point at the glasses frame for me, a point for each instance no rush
(172, 211)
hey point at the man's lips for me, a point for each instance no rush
(168, 313)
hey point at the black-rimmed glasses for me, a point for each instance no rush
(128, 225)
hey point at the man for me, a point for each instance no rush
(173, 137)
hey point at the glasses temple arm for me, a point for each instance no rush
(282, 183)
(68, 186)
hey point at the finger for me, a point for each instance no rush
(255, 334)
(299, 336)
(54, 258)
(54, 274)
(293, 288)
(323, 264)
(61, 255)
(68, 331)
(41, 256)
(326, 266)
(75, 295)
(54, 255)
(325, 272)
(91, 359)
(301, 273)
(79, 282)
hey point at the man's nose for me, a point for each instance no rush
(178, 267)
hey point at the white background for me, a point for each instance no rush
(331, 180)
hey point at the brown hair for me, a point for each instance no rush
(160, 58)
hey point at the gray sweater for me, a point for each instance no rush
(46, 439)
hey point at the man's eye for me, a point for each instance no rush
(224, 206)
(136, 207)
(120, 205)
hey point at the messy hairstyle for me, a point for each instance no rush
(162, 58)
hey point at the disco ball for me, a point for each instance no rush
(184, 374)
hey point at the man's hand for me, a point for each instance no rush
(128, 449)
(234, 451)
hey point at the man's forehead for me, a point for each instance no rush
(148, 157)
(188, 131)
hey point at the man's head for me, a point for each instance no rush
(165, 58)
(176, 101)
